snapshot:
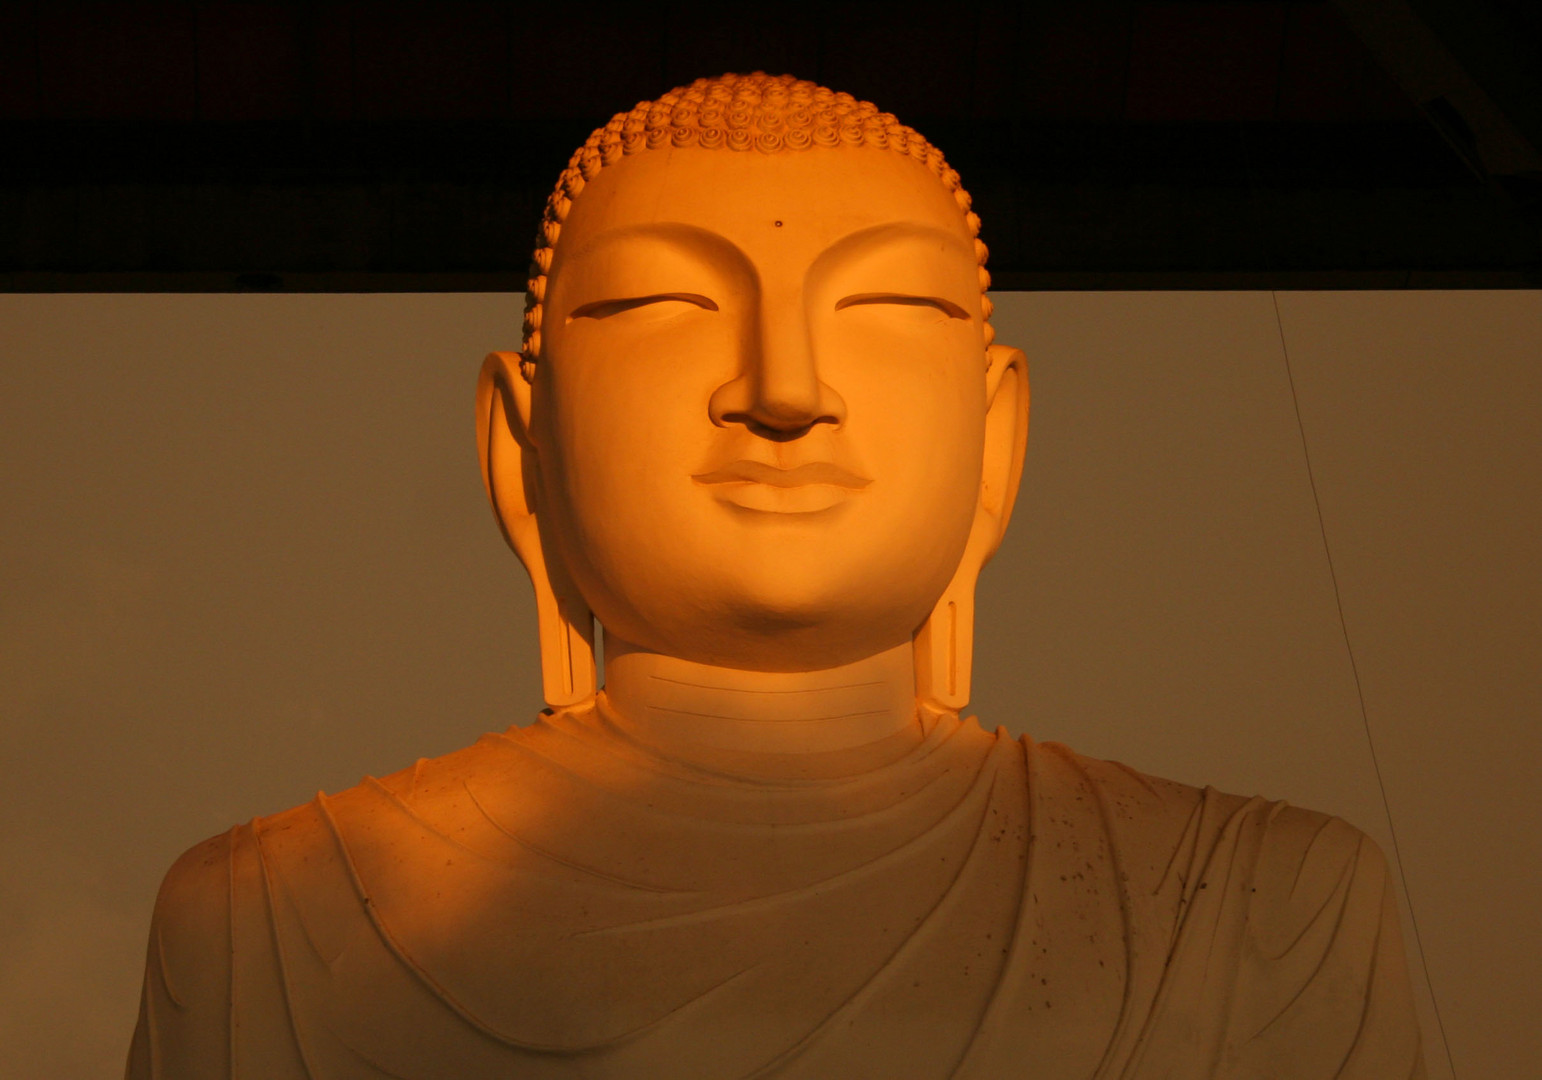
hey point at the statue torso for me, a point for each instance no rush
(563, 901)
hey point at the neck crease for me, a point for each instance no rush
(688, 709)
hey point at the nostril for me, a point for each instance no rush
(774, 411)
(774, 428)
(781, 433)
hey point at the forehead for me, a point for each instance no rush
(804, 199)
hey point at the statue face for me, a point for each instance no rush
(760, 407)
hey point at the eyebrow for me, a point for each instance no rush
(678, 234)
(685, 235)
(894, 232)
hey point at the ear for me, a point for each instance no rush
(511, 476)
(944, 646)
(1006, 440)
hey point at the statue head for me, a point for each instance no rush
(758, 420)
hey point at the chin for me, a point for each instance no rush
(787, 648)
(791, 590)
(822, 625)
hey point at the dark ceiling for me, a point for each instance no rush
(342, 146)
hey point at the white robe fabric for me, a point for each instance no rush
(562, 900)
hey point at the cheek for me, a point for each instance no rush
(916, 409)
(643, 541)
(618, 472)
(906, 346)
(630, 406)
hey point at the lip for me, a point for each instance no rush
(758, 472)
(803, 489)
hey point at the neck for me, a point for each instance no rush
(677, 703)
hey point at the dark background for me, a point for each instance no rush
(383, 146)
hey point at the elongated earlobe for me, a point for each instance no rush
(944, 645)
(566, 625)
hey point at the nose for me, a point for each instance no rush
(778, 392)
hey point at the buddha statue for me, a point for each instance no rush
(760, 433)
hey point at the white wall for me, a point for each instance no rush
(1167, 597)
(244, 554)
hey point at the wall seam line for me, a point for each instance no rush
(1354, 668)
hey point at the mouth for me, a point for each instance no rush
(803, 489)
(757, 472)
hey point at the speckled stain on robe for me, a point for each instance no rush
(975, 906)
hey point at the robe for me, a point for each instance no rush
(563, 900)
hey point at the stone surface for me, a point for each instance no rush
(760, 431)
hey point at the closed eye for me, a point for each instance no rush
(947, 307)
(604, 309)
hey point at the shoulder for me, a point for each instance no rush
(1321, 971)
(184, 1014)
(214, 899)
(1296, 854)
(227, 902)
(1135, 808)
(191, 926)
(1314, 869)
(196, 910)
(433, 780)
(1284, 917)
(200, 875)
(1125, 788)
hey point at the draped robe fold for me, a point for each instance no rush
(564, 901)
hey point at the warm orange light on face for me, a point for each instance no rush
(767, 115)
(827, 374)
